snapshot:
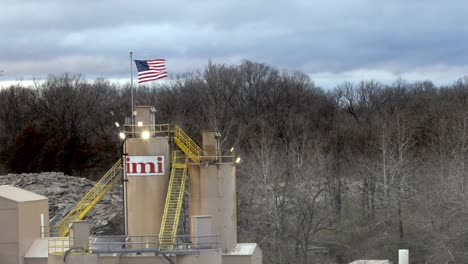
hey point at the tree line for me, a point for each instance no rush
(333, 175)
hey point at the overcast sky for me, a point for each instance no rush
(332, 41)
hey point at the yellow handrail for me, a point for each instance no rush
(174, 200)
(135, 130)
(91, 198)
(110, 179)
(183, 141)
(64, 245)
(187, 145)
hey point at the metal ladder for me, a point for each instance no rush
(92, 197)
(174, 200)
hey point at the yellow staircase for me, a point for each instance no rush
(187, 145)
(174, 199)
(87, 203)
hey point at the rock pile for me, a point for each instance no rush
(65, 191)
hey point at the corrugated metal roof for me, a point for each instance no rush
(243, 249)
(19, 195)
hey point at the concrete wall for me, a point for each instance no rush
(237, 259)
(9, 253)
(38, 252)
(208, 257)
(194, 190)
(6, 204)
(200, 231)
(36, 261)
(254, 257)
(132, 260)
(146, 195)
(144, 115)
(211, 144)
(257, 256)
(79, 234)
(213, 192)
(29, 223)
(95, 259)
(73, 259)
(9, 231)
(19, 226)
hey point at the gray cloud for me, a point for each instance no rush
(337, 38)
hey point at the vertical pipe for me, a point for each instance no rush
(42, 226)
(124, 179)
(131, 87)
(403, 256)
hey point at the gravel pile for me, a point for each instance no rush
(65, 191)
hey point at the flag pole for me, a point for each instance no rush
(131, 88)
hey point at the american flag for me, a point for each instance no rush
(151, 70)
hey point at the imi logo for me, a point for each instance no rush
(144, 165)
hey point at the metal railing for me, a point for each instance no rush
(65, 245)
(182, 140)
(174, 200)
(183, 244)
(187, 145)
(46, 232)
(91, 198)
(135, 244)
(177, 157)
(135, 131)
(217, 159)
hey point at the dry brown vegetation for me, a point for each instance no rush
(326, 175)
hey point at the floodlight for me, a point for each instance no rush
(145, 134)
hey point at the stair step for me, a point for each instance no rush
(174, 199)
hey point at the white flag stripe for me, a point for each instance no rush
(159, 65)
(161, 68)
(156, 62)
(148, 73)
(152, 78)
(155, 69)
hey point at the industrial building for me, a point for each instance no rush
(157, 163)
